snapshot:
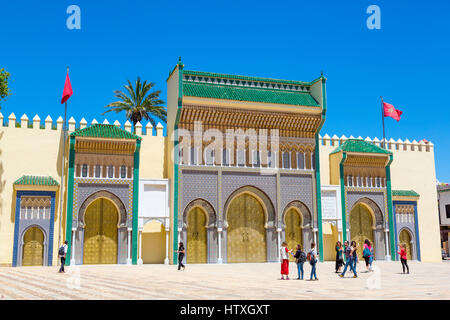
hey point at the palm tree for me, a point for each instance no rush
(139, 103)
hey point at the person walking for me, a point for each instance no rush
(300, 258)
(284, 256)
(62, 252)
(367, 254)
(403, 257)
(354, 246)
(339, 257)
(348, 260)
(181, 253)
(313, 261)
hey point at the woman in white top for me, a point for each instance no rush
(284, 256)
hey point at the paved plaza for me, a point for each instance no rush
(227, 281)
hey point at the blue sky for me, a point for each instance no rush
(406, 61)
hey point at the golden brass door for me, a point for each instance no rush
(196, 247)
(100, 233)
(33, 247)
(405, 238)
(361, 228)
(246, 235)
(293, 230)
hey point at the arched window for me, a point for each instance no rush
(286, 160)
(110, 172)
(97, 171)
(300, 160)
(84, 170)
(123, 172)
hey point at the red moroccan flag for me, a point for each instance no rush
(390, 111)
(67, 90)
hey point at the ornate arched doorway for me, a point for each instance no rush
(361, 227)
(100, 233)
(405, 238)
(294, 235)
(33, 247)
(246, 235)
(196, 246)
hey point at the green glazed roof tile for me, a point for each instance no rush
(405, 193)
(248, 94)
(358, 145)
(36, 181)
(105, 131)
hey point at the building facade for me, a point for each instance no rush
(242, 167)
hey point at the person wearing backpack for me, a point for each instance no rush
(313, 261)
(300, 258)
(367, 253)
(62, 255)
(348, 260)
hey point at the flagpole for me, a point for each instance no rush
(61, 190)
(382, 119)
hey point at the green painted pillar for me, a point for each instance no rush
(69, 210)
(343, 206)
(390, 211)
(134, 241)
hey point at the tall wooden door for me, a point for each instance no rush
(246, 235)
(405, 238)
(196, 247)
(33, 247)
(361, 228)
(100, 233)
(293, 230)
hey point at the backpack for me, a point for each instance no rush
(61, 251)
(366, 253)
(302, 257)
(311, 259)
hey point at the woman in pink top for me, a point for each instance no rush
(403, 257)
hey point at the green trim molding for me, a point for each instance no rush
(247, 78)
(343, 206)
(175, 164)
(69, 210)
(390, 211)
(135, 203)
(317, 166)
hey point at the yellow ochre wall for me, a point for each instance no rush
(36, 151)
(411, 169)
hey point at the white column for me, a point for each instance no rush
(388, 256)
(129, 247)
(279, 242)
(140, 261)
(219, 243)
(166, 259)
(72, 256)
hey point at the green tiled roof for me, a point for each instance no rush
(36, 181)
(405, 193)
(246, 78)
(358, 145)
(248, 94)
(105, 131)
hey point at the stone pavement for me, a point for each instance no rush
(226, 281)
